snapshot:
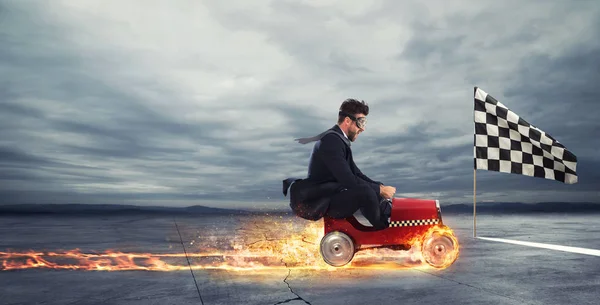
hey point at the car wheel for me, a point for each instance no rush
(440, 249)
(337, 248)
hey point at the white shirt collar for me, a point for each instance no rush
(344, 134)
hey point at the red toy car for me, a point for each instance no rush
(411, 220)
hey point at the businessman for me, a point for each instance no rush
(335, 186)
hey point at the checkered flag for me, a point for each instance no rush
(504, 142)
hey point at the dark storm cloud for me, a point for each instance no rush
(22, 111)
(426, 46)
(562, 92)
(317, 48)
(13, 156)
(303, 120)
(98, 107)
(103, 124)
(553, 89)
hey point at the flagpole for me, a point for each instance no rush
(474, 203)
(475, 164)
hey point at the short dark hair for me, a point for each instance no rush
(353, 107)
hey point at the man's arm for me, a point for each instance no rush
(376, 186)
(332, 151)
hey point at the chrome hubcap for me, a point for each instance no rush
(438, 249)
(337, 249)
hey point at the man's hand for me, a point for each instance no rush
(387, 191)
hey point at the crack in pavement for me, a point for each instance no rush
(290, 288)
(266, 239)
(188, 260)
(306, 241)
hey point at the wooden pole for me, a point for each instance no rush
(474, 203)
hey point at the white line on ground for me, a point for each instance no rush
(546, 246)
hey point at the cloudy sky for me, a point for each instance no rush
(197, 102)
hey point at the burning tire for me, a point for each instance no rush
(337, 249)
(440, 247)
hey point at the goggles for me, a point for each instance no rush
(360, 122)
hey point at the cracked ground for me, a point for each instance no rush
(485, 273)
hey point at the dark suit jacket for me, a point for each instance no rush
(331, 169)
(331, 160)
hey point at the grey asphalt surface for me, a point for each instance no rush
(485, 273)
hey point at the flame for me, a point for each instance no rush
(451, 254)
(261, 244)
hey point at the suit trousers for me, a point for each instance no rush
(347, 202)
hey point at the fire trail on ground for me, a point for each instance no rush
(260, 244)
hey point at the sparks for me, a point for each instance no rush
(256, 246)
